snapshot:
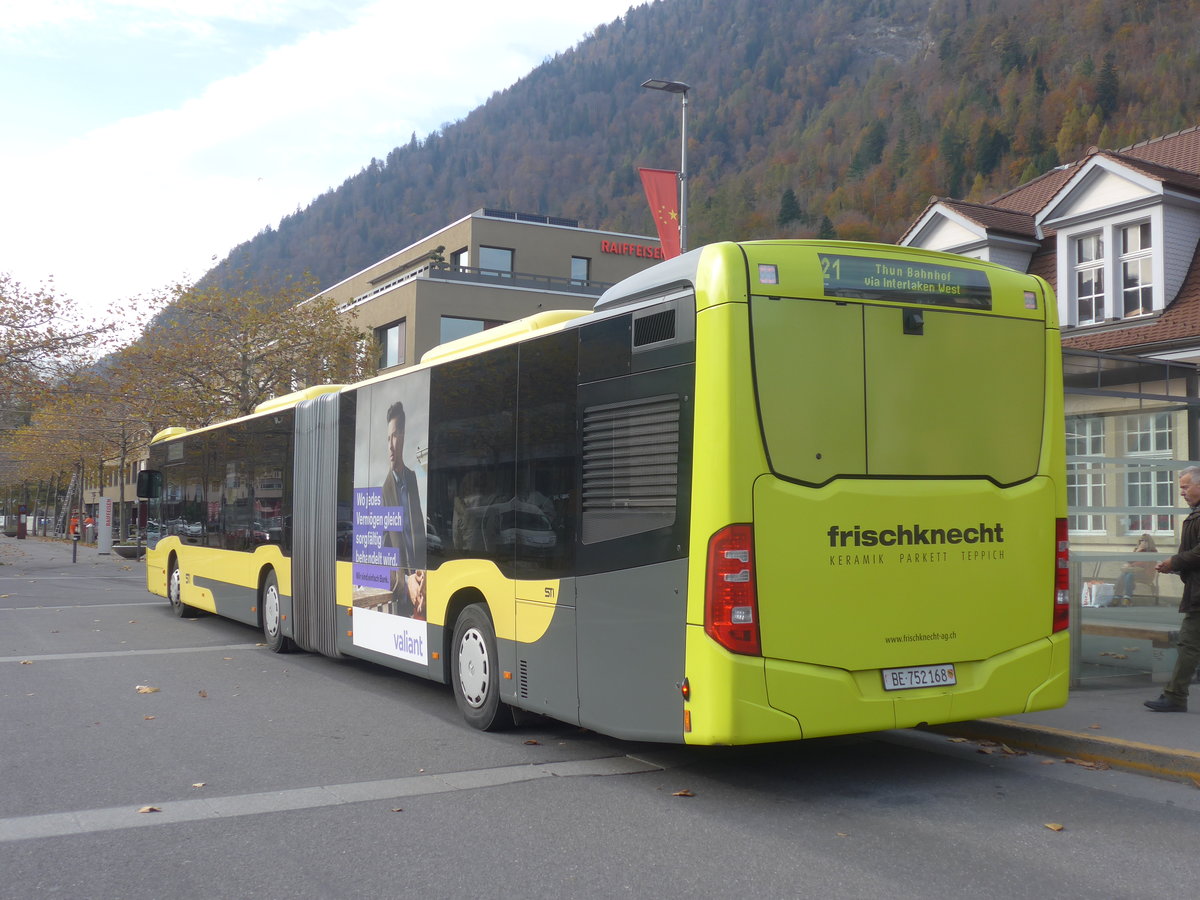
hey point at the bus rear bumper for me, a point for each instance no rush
(828, 701)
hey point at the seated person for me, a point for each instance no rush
(1135, 572)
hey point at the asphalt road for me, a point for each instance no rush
(297, 776)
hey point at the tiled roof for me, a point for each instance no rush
(1180, 150)
(1033, 195)
(993, 219)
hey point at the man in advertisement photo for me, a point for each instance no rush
(400, 491)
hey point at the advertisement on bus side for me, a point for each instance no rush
(389, 538)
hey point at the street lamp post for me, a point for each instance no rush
(678, 87)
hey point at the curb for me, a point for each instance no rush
(1130, 756)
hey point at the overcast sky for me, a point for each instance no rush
(141, 140)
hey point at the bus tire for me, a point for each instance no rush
(272, 620)
(475, 672)
(175, 593)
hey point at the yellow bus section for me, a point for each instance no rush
(537, 600)
(721, 276)
(729, 697)
(729, 448)
(230, 567)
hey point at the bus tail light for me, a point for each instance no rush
(730, 601)
(1062, 577)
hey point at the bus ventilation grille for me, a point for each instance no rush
(630, 467)
(523, 679)
(654, 328)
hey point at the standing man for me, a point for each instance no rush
(1185, 564)
(400, 490)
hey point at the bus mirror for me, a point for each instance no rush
(149, 486)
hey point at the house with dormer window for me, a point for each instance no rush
(1117, 235)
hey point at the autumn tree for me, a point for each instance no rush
(41, 336)
(216, 353)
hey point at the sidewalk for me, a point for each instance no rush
(41, 552)
(1103, 722)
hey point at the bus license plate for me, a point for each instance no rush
(918, 677)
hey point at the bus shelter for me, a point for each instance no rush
(1131, 425)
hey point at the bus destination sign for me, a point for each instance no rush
(905, 281)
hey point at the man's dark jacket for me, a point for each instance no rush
(1186, 563)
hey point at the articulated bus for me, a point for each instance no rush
(762, 492)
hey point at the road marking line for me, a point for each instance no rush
(89, 821)
(101, 654)
(79, 606)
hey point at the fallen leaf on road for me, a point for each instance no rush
(532, 743)
(1095, 727)
(1087, 764)
(150, 809)
(146, 689)
(684, 793)
(198, 784)
(397, 809)
(1009, 751)
(204, 695)
(1054, 826)
(27, 662)
(987, 751)
(841, 834)
(957, 740)
(148, 718)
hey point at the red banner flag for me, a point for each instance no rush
(662, 192)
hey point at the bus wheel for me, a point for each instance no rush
(475, 673)
(271, 621)
(175, 594)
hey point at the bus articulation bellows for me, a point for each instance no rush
(764, 491)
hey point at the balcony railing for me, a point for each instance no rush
(436, 271)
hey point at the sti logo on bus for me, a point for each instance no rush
(914, 535)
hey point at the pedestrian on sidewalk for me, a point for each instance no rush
(1185, 564)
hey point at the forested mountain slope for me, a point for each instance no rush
(858, 110)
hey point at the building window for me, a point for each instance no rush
(1149, 436)
(581, 270)
(1089, 279)
(460, 258)
(1085, 480)
(496, 260)
(455, 327)
(391, 340)
(1137, 278)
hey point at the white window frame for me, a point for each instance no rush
(1085, 437)
(1089, 270)
(1141, 258)
(1151, 260)
(1154, 436)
